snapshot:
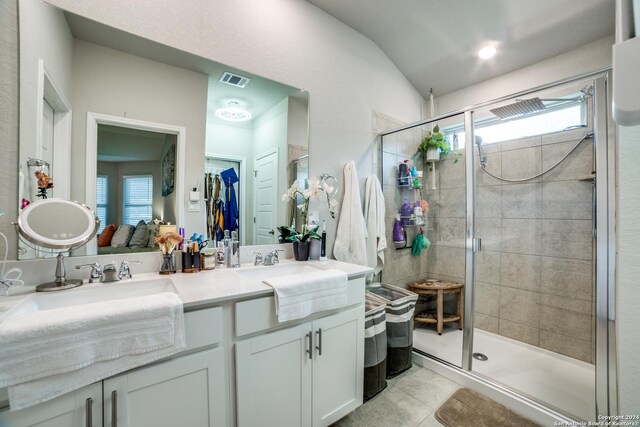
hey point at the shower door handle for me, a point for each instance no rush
(477, 244)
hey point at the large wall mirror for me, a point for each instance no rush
(147, 135)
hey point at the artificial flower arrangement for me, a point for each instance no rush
(168, 242)
(315, 190)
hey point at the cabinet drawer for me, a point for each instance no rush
(203, 327)
(260, 314)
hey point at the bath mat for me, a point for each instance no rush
(467, 408)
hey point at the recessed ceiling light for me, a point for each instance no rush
(487, 52)
(233, 113)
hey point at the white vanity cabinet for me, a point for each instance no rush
(189, 390)
(309, 374)
(80, 408)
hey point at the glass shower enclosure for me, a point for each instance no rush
(520, 212)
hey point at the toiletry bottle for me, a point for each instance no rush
(227, 248)
(187, 261)
(220, 260)
(323, 242)
(195, 257)
(234, 259)
(406, 211)
(417, 212)
(398, 233)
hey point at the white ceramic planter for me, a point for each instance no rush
(433, 155)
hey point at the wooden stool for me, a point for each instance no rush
(439, 288)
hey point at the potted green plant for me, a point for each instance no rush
(301, 239)
(434, 145)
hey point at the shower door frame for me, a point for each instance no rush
(605, 242)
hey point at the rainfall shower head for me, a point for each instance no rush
(521, 107)
(483, 158)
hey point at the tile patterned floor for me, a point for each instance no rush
(410, 400)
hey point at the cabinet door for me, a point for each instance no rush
(273, 378)
(338, 366)
(187, 391)
(70, 410)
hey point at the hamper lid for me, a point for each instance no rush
(392, 293)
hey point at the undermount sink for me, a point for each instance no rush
(266, 271)
(88, 294)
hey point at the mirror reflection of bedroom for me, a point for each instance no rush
(134, 188)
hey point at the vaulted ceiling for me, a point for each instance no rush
(434, 43)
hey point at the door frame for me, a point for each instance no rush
(269, 152)
(243, 189)
(91, 159)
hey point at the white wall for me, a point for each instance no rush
(9, 121)
(587, 58)
(44, 34)
(628, 291)
(291, 41)
(111, 82)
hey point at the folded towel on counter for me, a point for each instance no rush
(49, 353)
(300, 295)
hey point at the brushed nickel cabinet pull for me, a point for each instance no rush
(89, 411)
(114, 408)
(319, 346)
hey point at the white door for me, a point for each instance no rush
(273, 379)
(80, 408)
(338, 366)
(266, 199)
(187, 391)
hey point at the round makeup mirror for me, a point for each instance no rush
(61, 225)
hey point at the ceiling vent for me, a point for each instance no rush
(234, 79)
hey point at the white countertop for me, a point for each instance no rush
(213, 286)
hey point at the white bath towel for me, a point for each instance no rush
(49, 353)
(351, 235)
(374, 214)
(300, 295)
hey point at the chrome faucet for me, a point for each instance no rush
(124, 269)
(258, 258)
(272, 257)
(96, 273)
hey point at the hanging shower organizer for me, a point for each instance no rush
(410, 188)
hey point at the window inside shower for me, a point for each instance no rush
(558, 115)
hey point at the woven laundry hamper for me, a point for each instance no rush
(375, 347)
(400, 306)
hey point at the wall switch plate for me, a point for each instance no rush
(194, 201)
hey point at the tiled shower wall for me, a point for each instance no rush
(401, 268)
(534, 275)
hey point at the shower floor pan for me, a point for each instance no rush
(560, 381)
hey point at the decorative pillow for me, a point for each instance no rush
(122, 236)
(104, 239)
(154, 229)
(140, 235)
